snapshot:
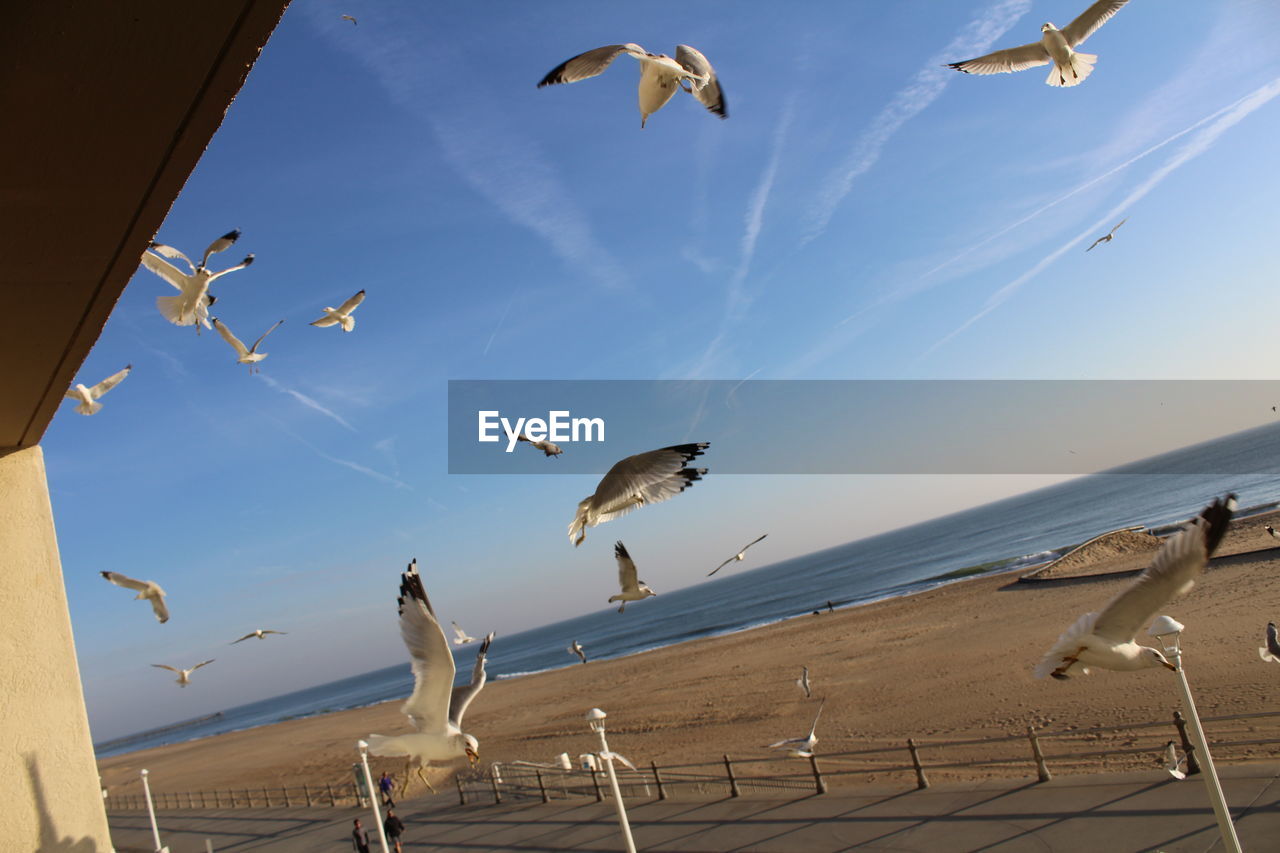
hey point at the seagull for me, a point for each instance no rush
(545, 446)
(575, 648)
(351, 19)
(1271, 651)
(1055, 46)
(88, 396)
(632, 589)
(342, 314)
(1172, 762)
(461, 637)
(149, 590)
(1106, 238)
(250, 355)
(260, 633)
(184, 675)
(646, 478)
(436, 706)
(660, 75)
(803, 682)
(191, 306)
(1272, 531)
(802, 747)
(738, 556)
(1106, 639)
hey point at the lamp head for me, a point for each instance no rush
(595, 718)
(1169, 632)
(362, 745)
(144, 771)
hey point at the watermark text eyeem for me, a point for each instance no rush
(558, 426)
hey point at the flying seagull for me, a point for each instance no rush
(1275, 533)
(88, 396)
(184, 675)
(1271, 651)
(802, 747)
(738, 556)
(244, 355)
(191, 306)
(351, 19)
(632, 589)
(341, 314)
(260, 633)
(1106, 639)
(1055, 46)
(545, 446)
(803, 682)
(575, 648)
(1106, 238)
(436, 707)
(1172, 762)
(149, 590)
(660, 75)
(646, 478)
(461, 637)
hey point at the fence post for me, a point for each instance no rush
(595, 780)
(493, 780)
(1042, 769)
(306, 789)
(266, 797)
(333, 801)
(287, 802)
(542, 788)
(232, 795)
(921, 781)
(248, 797)
(818, 781)
(657, 781)
(203, 804)
(191, 800)
(462, 796)
(733, 782)
(1193, 766)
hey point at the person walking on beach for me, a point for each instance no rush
(392, 827)
(360, 838)
(385, 784)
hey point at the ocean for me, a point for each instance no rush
(1016, 532)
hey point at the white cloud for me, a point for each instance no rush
(309, 402)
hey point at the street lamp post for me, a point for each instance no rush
(1169, 632)
(151, 810)
(363, 746)
(595, 718)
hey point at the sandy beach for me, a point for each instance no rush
(954, 662)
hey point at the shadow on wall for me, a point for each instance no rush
(49, 840)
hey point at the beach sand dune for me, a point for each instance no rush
(954, 662)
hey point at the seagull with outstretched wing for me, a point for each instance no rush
(803, 682)
(191, 306)
(802, 747)
(184, 675)
(646, 478)
(149, 590)
(575, 648)
(1106, 238)
(632, 588)
(260, 633)
(341, 314)
(244, 355)
(1056, 46)
(738, 556)
(461, 637)
(88, 396)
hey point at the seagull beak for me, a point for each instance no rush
(472, 755)
(1168, 665)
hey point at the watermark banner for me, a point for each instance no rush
(868, 426)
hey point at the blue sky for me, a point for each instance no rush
(863, 213)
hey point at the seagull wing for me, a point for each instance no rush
(110, 382)
(350, 305)
(1180, 561)
(752, 542)
(220, 245)
(324, 322)
(433, 669)
(463, 694)
(1095, 243)
(626, 568)
(814, 729)
(165, 666)
(626, 762)
(1118, 224)
(1005, 61)
(707, 88)
(170, 252)
(248, 636)
(1090, 19)
(235, 342)
(259, 341)
(645, 478)
(1273, 644)
(589, 64)
(166, 270)
(202, 663)
(268, 631)
(722, 565)
(159, 607)
(126, 581)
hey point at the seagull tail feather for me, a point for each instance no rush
(91, 408)
(171, 308)
(383, 745)
(1074, 72)
(1266, 655)
(348, 323)
(1067, 644)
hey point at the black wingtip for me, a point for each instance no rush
(106, 575)
(621, 550)
(232, 235)
(1217, 518)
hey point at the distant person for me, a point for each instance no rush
(385, 784)
(831, 608)
(393, 827)
(360, 838)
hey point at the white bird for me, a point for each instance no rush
(244, 355)
(1271, 651)
(803, 682)
(184, 675)
(646, 478)
(341, 314)
(575, 648)
(88, 396)
(1172, 762)
(545, 446)
(1106, 639)
(351, 19)
(616, 756)
(260, 633)
(191, 306)
(436, 706)
(632, 589)
(802, 747)
(1106, 238)
(1275, 534)
(1055, 46)
(149, 590)
(738, 556)
(660, 75)
(461, 637)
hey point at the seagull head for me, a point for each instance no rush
(471, 747)
(1154, 657)
(1048, 27)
